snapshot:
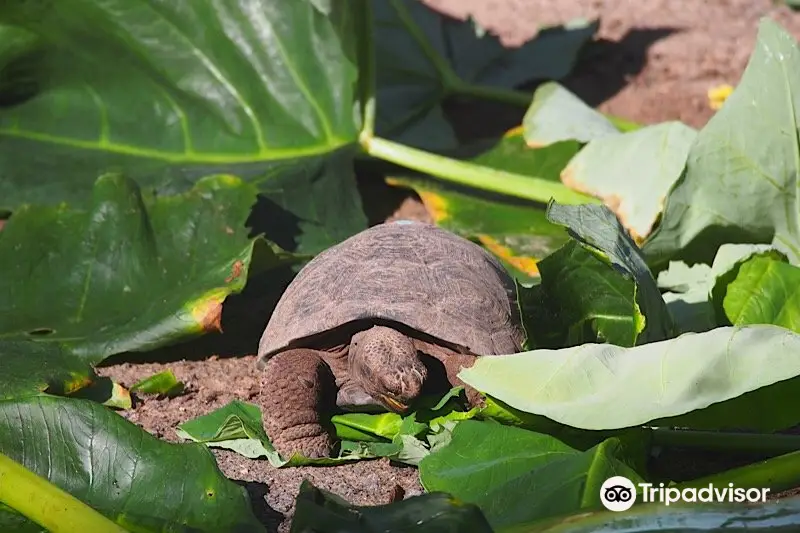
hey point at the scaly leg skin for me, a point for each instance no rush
(296, 393)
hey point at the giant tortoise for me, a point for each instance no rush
(368, 322)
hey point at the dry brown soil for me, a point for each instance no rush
(654, 61)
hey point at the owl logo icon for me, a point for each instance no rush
(618, 493)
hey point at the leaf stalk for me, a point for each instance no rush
(777, 474)
(472, 175)
(46, 504)
(367, 69)
(726, 441)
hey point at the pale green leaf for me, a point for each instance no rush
(558, 115)
(633, 172)
(603, 387)
(742, 172)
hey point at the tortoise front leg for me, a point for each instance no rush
(298, 390)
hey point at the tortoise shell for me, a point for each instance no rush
(411, 273)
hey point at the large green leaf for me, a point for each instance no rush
(632, 172)
(423, 57)
(517, 476)
(323, 512)
(742, 172)
(167, 93)
(516, 231)
(120, 470)
(602, 387)
(130, 273)
(601, 232)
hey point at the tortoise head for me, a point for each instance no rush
(384, 362)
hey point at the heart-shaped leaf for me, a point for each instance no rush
(765, 291)
(693, 294)
(167, 93)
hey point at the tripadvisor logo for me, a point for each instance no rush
(618, 493)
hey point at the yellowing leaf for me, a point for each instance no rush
(434, 203)
(525, 264)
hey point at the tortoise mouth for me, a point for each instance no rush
(394, 404)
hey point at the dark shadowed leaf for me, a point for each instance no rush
(132, 272)
(167, 93)
(16, 45)
(16, 523)
(423, 57)
(600, 231)
(319, 511)
(114, 466)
